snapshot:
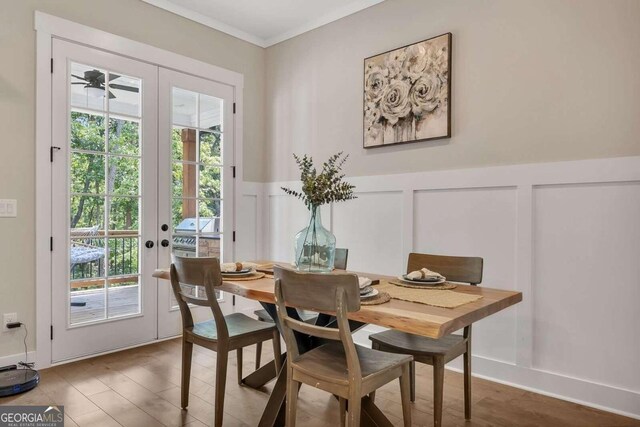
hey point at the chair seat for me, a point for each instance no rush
(418, 345)
(305, 316)
(329, 362)
(238, 324)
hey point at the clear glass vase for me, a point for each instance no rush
(315, 246)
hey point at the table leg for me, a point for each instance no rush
(372, 416)
(263, 375)
(273, 414)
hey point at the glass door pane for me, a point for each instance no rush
(104, 215)
(196, 190)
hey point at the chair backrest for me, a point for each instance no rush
(333, 293)
(454, 268)
(203, 273)
(340, 260)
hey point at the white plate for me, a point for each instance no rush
(241, 273)
(421, 282)
(371, 294)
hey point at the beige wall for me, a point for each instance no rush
(129, 18)
(533, 81)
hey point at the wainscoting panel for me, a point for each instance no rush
(475, 222)
(587, 282)
(374, 239)
(565, 234)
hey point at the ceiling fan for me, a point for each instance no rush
(94, 80)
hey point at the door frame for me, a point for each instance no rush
(47, 28)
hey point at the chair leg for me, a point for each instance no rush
(343, 411)
(258, 355)
(438, 389)
(412, 376)
(221, 382)
(467, 382)
(239, 353)
(187, 352)
(292, 401)
(405, 393)
(277, 352)
(355, 405)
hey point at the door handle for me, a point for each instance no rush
(149, 244)
(164, 243)
(164, 227)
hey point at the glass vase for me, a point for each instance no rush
(315, 246)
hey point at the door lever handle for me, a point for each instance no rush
(164, 243)
(149, 244)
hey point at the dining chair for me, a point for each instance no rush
(338, 366)
(437, 352)
(221, 334)
(340, 263)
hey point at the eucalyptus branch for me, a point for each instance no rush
(324, 187)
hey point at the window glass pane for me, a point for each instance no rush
(124, 214)
(184, 245)
(124, 296)
(87, 131)
(184, 103)
(124, 136)
(87, 173)
(210, 143)
(88, 301)
(209, 245)
(124, 175)
(123, 256)
(184, 180)
(210, 112)
(87, 87)
(86, 256)
(210, 209)
(210, 182)
(86, 214)
(124, 94)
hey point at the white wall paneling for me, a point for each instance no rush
(566, 234)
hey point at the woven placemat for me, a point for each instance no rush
(381, 298)
(441, 286)
(434, 297)
(254, 276)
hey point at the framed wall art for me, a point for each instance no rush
(407, 93)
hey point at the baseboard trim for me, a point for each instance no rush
(14, 359)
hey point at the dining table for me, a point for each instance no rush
(407, 316)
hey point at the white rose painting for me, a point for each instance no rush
(407, 93)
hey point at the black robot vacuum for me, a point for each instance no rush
(14, 380)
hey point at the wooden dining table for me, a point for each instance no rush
(406, 316)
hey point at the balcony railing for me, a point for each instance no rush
(89, 258)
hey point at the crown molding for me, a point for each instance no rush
(347, 10)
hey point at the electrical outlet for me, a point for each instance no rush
(8, 208)
(8, 318)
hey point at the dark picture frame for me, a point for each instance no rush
(407, 93)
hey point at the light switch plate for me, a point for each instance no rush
(8, 208)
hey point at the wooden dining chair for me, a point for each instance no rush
(222, 334)
(340, 263)
(339, 366)
(437, 352)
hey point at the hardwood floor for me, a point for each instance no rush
(141, 387)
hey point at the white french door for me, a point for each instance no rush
(196, 203)
(141, 167)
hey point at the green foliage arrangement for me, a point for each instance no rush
(324, 187)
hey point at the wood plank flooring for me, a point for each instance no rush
(141, 387)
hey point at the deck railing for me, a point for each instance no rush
(121, 260)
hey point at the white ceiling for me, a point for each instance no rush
(264, 22)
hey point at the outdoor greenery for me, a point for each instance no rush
(107, 176)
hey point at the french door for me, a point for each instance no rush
(141, 168)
